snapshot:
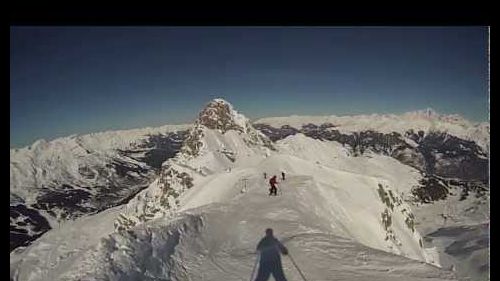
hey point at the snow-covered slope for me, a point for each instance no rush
(61, 247)
(449, 152)
(217, 241)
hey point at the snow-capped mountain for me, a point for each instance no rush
(218, 141)
(360, 201)
(421, 120)
(51, 182)
(436, 145)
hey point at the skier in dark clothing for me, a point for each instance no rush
(265, 175)
(283, 175)
(273, 189)
(269, 249)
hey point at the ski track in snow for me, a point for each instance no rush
(217, 242)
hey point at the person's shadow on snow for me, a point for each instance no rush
(270, 250)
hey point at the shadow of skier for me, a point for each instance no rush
(270, 250)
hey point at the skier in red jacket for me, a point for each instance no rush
(273, 189)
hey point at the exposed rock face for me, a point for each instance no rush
(449, 156)
(193, 144)
(433, 188)
(219, 115)
(26, 224)
(158, 148)
(275, 134)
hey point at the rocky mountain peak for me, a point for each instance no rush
(219, 114)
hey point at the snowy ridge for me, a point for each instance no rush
(425, 120)
(105, 140)
(216, 241)
(206, 151)
(59, 159)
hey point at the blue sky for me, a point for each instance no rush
(74, 80)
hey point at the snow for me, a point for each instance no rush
(217, 242)
(333, 155)
(332, 212)
(45, 162)
(61, 247)
(426, 120)
(464, 249)
(210, 160)
(218, 222)
(121, 139)
(470, 211)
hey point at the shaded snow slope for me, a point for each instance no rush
(465, 249)
(217, 242)
(459, 229)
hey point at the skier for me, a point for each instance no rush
(269, 249)
(265, 175)
(283, 175)
(273, 189)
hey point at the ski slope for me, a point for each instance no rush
(217, 242)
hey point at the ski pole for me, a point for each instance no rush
(252, 277)
(298, 269)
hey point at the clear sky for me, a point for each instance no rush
(74, 80)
